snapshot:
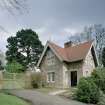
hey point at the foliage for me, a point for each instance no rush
(37, 80)
(14, 67)
(101, 99)
(103, 57)
(99, 78)
(1, 66)
(87, 91)
(11, 100)
(24, 48)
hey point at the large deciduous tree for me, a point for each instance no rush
(24, 48)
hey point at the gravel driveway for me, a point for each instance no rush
(38, 98)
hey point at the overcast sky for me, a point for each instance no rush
(53, 19)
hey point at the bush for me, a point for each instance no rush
(14, 67)
(87, 91)
(37, 80)
(101, 99)
(99, 78)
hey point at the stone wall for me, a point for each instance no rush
(75, 66)
(56, 67)
(63, 70)
(84, 69)
(1, 79)
(88, 65)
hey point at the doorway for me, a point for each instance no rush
(73, 78)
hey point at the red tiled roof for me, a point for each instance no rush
(72, 53)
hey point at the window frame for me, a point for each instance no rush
(51, 77)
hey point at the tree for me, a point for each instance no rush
(98, 76)
(14, 67)
(25, 47)
(103, 57)
(99, 33)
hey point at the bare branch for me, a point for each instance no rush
(3, 29)
(14, 6)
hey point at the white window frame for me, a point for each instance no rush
(51, 78)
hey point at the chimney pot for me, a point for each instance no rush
(68, 44)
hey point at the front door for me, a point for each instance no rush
(73, 78)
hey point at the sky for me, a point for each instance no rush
(53, 20)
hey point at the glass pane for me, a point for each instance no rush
(53, 76)
(49, 78)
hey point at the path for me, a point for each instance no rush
(57, 92)
(38, 98)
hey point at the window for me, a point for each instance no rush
(87, 73)
(51, 77)
(51, 61)
(50, 58)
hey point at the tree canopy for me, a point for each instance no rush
(25, 48)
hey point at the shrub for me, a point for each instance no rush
(37, 80)
(101, 99)
(99, 78)
(87, 91)
(14, 67)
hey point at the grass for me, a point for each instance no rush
(11, 100)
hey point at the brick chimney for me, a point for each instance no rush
(68, 44)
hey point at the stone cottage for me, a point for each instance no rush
(64, 67)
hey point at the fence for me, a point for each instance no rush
(14, 80)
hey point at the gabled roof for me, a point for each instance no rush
(69, 54)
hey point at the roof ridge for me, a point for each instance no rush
(70, 54)
(82, 43)
(50, 42)
(65, 52)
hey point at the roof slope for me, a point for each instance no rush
(73, 53)
(69, 54)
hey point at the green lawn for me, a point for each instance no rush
(11, 100)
